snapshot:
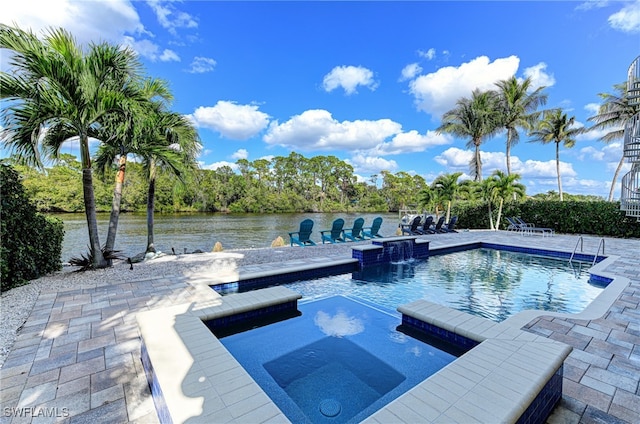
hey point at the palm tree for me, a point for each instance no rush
(474, 118)
(504, 186)
(469, 190)
(428, 198)
(518, 109)
(173, 145)
(56, 90)
(556, 127)
(447, 187)
(613, 114)
(121, 135)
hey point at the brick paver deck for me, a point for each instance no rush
(77, 357)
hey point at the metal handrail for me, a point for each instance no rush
(598, 251)
(581, 243)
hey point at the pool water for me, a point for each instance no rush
(490, 283)
(338, 362)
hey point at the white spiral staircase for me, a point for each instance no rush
(630, 196)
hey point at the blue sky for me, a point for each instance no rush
(368, 81)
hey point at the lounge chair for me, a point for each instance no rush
(303, 236)
(412, 229)
(425, 228)
(450, 227)
(334, 235)
(528, 228)
(355, 233)
(513, 225)
(372, 232)
(439, 224)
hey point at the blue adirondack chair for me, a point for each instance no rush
(372, 232)
(355, 233)
(412, 229)
(334, 235)
(303, 237)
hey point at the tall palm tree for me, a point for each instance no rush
(475, 118)
(613, 114)
(122, 134)
(57, 90)
(556, 127)
(518, 107)
(173, 145)
(447, 186)
(505, 186)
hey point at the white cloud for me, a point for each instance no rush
(150, 50)
(539, 76)
(610, 153)
(412, 141)
(437, 92)
(318, 130)
(86, 20)
(627, 19)
(170, 18)
(200, 65)
(592, 4)
(168, 56)
(592, 108)
(540, 169)
(456, 159)
(240, 154)
(237, 122)
(349, 78)
(220, 164)
(410, 71)
(429, 54)
(368, 165)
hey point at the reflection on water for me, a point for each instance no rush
(201, 231)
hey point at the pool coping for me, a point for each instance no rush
(177, 335)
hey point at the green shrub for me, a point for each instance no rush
(30, 243)
(570, 217)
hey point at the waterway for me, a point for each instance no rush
(201, 231)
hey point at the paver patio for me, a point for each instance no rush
(77, 357)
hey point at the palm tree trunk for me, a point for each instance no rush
(448, 211)
(499, 214)
(478, 163)
(558, 169)
(490, 216)
(98, 260)
(615, 178)
(508, 152)
(151, 196)
(115, 204)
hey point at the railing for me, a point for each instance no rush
(633, 82)
(579, 242)
(595, 258)
(630, 195)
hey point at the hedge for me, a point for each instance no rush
(570, 217)
(30, 243)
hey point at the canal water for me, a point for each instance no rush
(202, 231)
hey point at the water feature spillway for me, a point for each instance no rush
(390, 250)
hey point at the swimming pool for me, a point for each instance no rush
(490, 283)
(338, 362)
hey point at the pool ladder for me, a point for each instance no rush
(580, 243)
